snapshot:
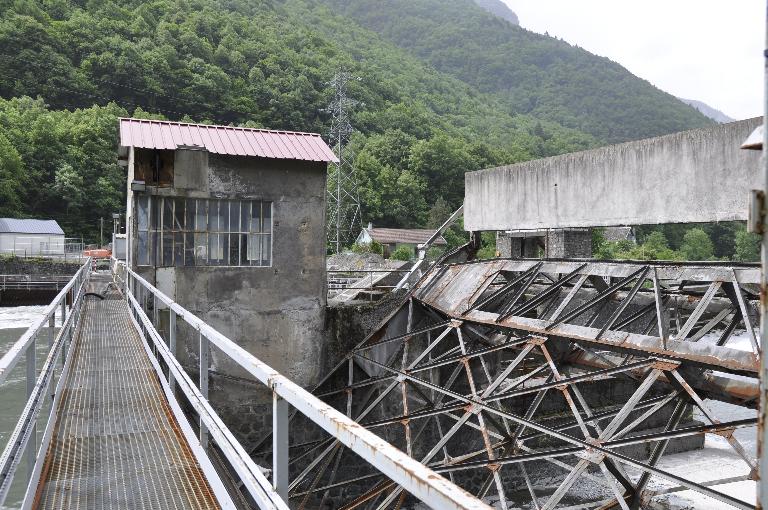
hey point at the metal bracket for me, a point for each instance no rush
(756, 220)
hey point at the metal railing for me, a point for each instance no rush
(361, 280)
(424, 248)
(413, 476)
(23, 439)
(31, 282)
(69, 249)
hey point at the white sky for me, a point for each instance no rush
(709, 50)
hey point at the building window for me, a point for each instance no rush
(179, 232)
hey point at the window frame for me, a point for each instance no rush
(188, 241)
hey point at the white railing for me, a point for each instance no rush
(413, 476)
(32, 282)
(424, 248)
(23, 440)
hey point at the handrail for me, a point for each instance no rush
(412, 475)
(9, 360)
(423, 248)
(23, 439)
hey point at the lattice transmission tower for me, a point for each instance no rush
(343, 200)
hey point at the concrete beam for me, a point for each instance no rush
(693, 176)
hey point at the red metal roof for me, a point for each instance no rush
(403, 235)
(235, 141)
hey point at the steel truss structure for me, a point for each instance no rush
(344, 221)
(501, 374)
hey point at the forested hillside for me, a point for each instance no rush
(534, 74)
(68, 69)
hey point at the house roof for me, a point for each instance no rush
(234, 141)
(18, 226)
(403, 235)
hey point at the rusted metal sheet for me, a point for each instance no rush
(233, 141)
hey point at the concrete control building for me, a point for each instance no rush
(230, 223)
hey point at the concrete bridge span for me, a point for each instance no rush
(693, 176)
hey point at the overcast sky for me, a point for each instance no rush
(707, 50)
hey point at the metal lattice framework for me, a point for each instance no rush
(343, 198)
(547, 384)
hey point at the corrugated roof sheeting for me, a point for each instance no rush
(403, 235)
(27, 226)
(234, 141)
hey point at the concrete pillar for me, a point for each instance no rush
(515, 247)
(569, 243)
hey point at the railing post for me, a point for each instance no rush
(32, 442)
(280, 480)
(203, 384)
(51, 328)
(171, 344)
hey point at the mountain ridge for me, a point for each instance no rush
(533, 73)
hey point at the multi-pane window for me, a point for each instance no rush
(176, 231)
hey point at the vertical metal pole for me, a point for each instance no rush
(171, 344)
(203, 384)
(32, 443)
(762, 429)
(155, 315)
(51, 328)
(280, 446)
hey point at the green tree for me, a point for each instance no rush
(747, 246)
(442, 161)
(11, 179)
(438, 213)
(697, 245)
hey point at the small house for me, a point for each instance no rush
(27, 237)
(393, 238)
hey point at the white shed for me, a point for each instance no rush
(31, 238)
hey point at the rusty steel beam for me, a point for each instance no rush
(488, 371)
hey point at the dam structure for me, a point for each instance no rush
(190, 375)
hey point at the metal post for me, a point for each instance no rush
(51, 328)
(762, 429)
(203, 384)
(32, 443)
(280, 479)
(171, 344)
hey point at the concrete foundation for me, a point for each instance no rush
(551, 243)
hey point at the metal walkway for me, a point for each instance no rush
(116, 436)
(116, 443)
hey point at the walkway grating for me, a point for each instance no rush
(116, 442)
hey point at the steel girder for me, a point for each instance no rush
(545, 384)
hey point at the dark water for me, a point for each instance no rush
(13, 323)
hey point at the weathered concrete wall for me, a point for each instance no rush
(277, 313)
(692, 176)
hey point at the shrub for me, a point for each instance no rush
(372, 247)
(402, 253)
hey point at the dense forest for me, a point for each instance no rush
(532, 73)
(69, 68)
